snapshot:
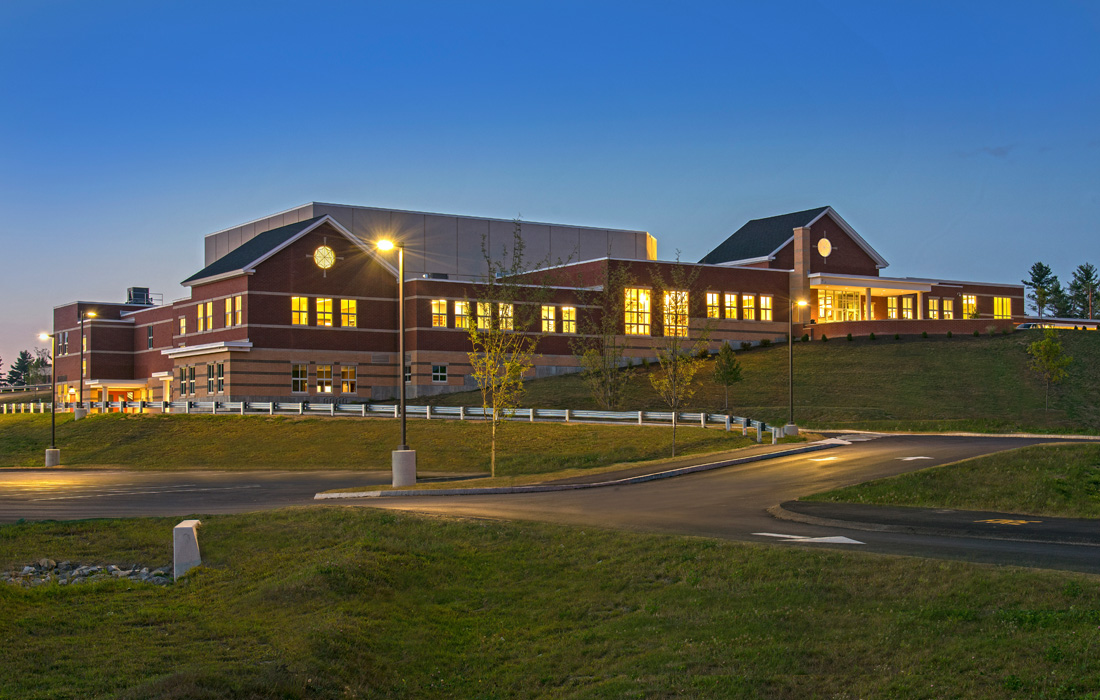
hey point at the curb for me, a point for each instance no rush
(887, 433)
(780, 513)
(537, 488)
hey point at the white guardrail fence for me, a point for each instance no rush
(363, 410)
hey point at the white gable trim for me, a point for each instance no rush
(880, 262)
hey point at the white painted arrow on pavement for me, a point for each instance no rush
(910, 459)
(801, 538)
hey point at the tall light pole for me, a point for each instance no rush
(403, 459)
(791, 428)
(80, 411)
(53, 455)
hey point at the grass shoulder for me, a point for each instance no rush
(1060, 480)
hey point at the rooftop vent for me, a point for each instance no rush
(140, 296)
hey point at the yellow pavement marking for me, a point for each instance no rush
(1006, 521)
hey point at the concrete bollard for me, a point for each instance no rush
(53, 458)
(185, 547)
(404, 468)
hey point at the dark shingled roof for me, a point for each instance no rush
(760, 237)
(252, 250)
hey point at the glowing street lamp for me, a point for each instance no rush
(83, 343)
(791, 428)
(53, 455)
(403, 459)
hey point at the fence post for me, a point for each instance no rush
(243, 405)
(301, 407)
(271, 409)
(462, 413)
(702, 420)
(396, 407)
(363, 410)
(727, 422)
(332, 409)
(532, 415)
(428, 412)
(775, 436)
(187, 407)
(568, 414)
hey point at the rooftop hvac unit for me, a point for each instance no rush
(139, 295)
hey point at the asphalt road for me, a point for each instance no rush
(727, 503)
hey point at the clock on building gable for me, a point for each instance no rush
(324, 257)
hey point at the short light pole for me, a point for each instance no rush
(79, 412)
(53, 455)
(791, 428)
(403, 459)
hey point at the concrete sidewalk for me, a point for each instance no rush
(632, 475)
(942, 522)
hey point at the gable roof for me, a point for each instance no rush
(251, 253)
(751, 242)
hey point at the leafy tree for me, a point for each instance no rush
(1083, 290)
(504, 331)
(600, 346)
(1048, 360)
(727, 371)
(20, 370)
(1041, 282)
(39, 372)
(677, 352)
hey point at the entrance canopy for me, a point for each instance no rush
(850, 297)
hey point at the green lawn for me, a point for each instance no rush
(933, 384)
(263, 442)
(1052, 480)
(350, 603)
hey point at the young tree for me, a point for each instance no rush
(677, 353)
(504, 332)
(600, 344)
(727, 371)
(1048, 360)
(20, 370)
(1041, 281)
(1083, 291)
(39, 372)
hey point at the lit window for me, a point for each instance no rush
(206, 312)
(676, 313)
(713, 308)
(183, 326)
(324, 312)
(948, 309)
(349, 315)
(439, 373)
(748, 307)
(83, 368)
(507, 316)
(84, 338)
(149, 338)
(221, 378)
(299, 311)
(1002, 307)
(825, 306)
(731, 306)
(201, 317)
(299, 379)
(462, 314)
(933, 308)
(765, 307)
(568, 319)
(970, 306)
(484, 315)
(439, 313)
(636, 311)
(348, 379)
(229, 312)
(907, 308)
(324, 379)
(238, 310)
(210, 379)
(549, 324)
(891, 307)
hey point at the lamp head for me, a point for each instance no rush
(385, 244)
(802, 302)
(43, 336)
(90, 314)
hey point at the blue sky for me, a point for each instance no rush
(962, 140)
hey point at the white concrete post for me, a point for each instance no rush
(363, 410)
(870, 306)
(396, 411)
(775, 436)
(532, 415)
(243, 404)
(568, 413)
(759, 429)
(332, 409)
(920, 306)
(185, 545)
(727, 423)
(428, 412)
(462, 413)
(187, 407)
(702, 420)
(404, 467)
(640, 417)
(271, 409)
(301, 407)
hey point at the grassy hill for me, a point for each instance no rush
(960, 383)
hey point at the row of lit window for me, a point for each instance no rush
(727, 301)
(1002, 307)
(234, 316)
(505, 316)
(323, 312)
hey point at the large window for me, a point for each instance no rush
(714, 309)
(484, 315)
(349, 313)
(907, 308)
(324, 379)
(834, 305)
(299, 311)
(299, 379)
(970, 306)
(933, 308)
(949, 309)
(200, 318)
(766, 307)
(324, 312)
(891, 307)
(439, 373)
(549, 322)
(462, 314)
(731, 305)
(348, 379)
(568, 319)
(507, 316)
(676, 313)
(229, 312)
(439, 313)
(238, 310)
(748, 307)
(636, 311)
(1002, 307)
(206, 316)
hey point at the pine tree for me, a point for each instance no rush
(727, 371)
(1041, 282)
(1083, 291)
(21, 369)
